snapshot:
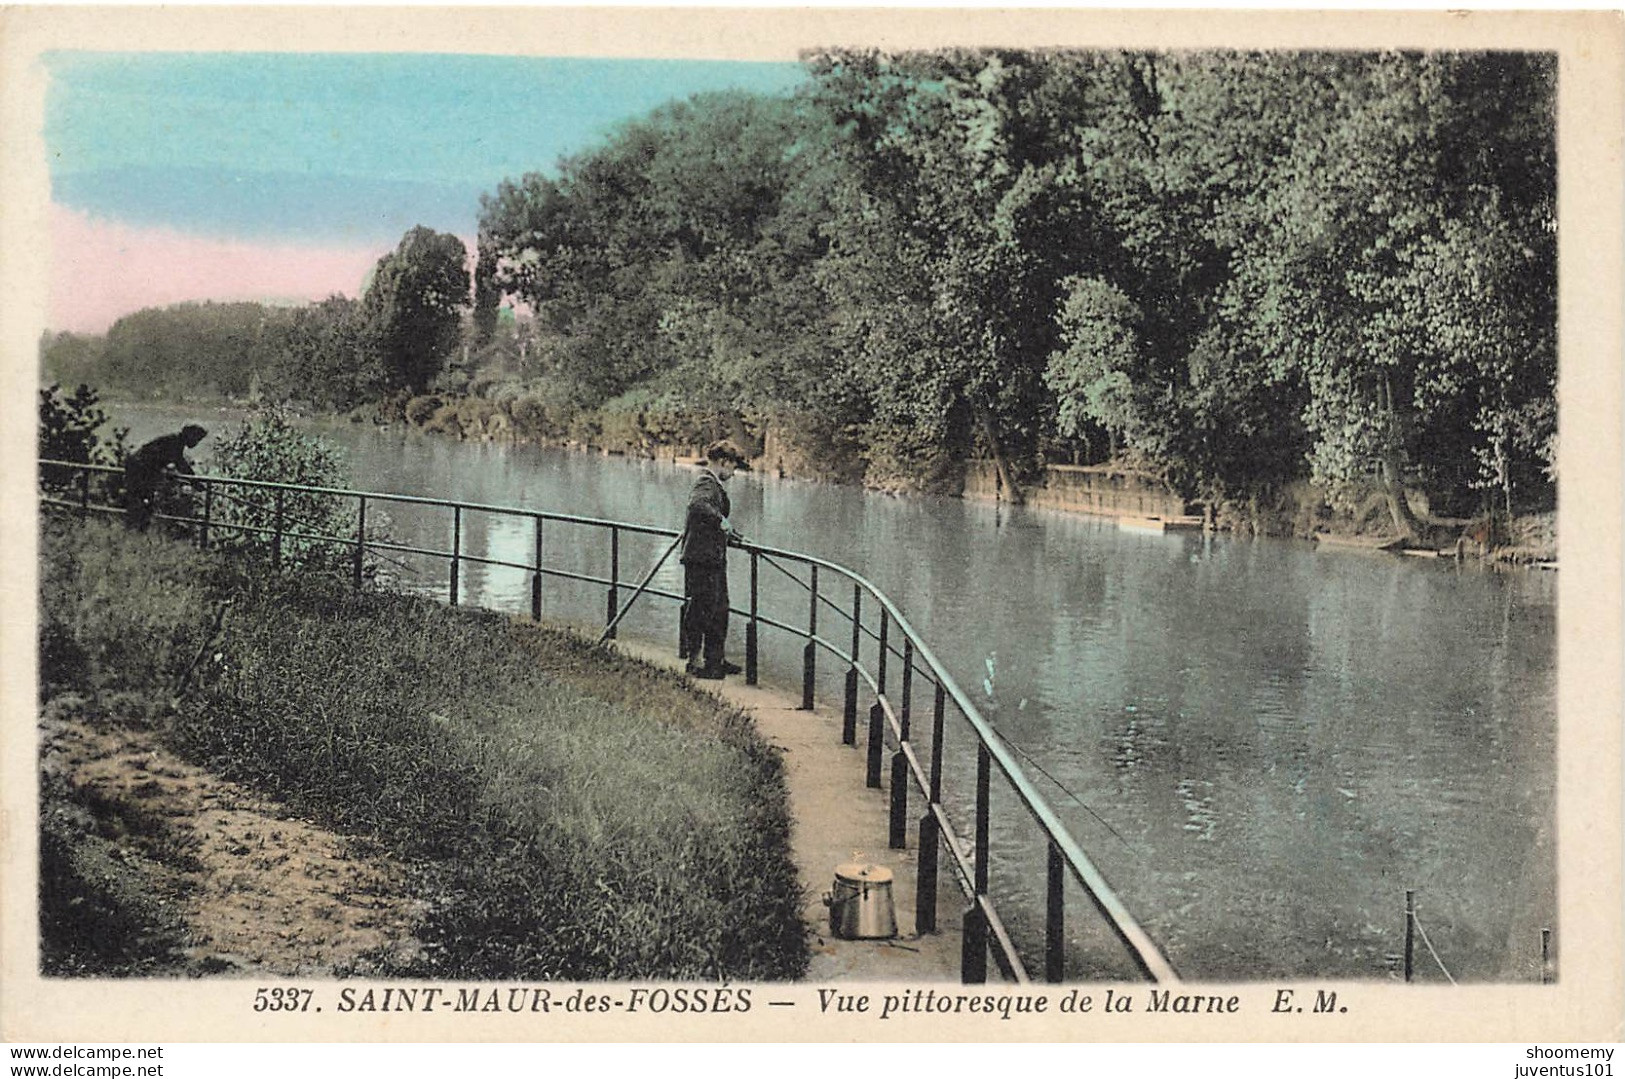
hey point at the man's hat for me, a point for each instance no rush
(725, 453)
(193, 434)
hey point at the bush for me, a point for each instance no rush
(538, 418)
(270, 449)
(445, 421)
(898, 458)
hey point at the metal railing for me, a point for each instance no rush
(888, 637)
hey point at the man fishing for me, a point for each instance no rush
(144, 472)
(707, 531)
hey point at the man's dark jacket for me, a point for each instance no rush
(704, 542)
(149, 462)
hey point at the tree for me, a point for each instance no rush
(649, 254)
(1410, 236)
(70, 430)
(965, 221)
(329, 356)
(414, 306)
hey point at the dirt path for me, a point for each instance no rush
(255, 888)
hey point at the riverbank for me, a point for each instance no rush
(481, 798)
(803, 450)
(1300, 511)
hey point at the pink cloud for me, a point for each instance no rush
(101, 270)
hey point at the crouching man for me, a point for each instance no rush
(145, 469)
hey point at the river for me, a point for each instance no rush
(1262, 744)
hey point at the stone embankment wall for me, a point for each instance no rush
(1085, 489)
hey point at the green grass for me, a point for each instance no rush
(566, 812)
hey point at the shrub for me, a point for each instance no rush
(445, 421)
(246, 519)
(538, 418)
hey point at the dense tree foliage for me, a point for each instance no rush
(1233, 270)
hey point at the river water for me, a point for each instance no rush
(1262, 744)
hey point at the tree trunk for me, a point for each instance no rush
(1399, 509)
(1007, 480)
(1393, 481)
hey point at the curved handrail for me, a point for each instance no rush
(1100, 892)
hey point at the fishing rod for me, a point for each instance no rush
(1007, 740)
(643, 584)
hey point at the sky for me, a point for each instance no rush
(284, 176)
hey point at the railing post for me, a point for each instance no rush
(536, 576)
(849, 712)
(925, 888)
(877, 742)
(899, 762)
(614, 577)
(898, 832)
(1055, 920)
(973, 968)
(751, 628)
(809, 656)
(276, 533)
(925, 875)
(456, 549)
(1410, 931)
(84, 492)
(880, 674)
(208, 510)
(360, 541)
(908, 686)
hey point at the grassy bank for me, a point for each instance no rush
(563, 812)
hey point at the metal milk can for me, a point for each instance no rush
(860, 904)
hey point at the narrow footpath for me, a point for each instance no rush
(837, 819)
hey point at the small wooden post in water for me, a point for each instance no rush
(1545, 957)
